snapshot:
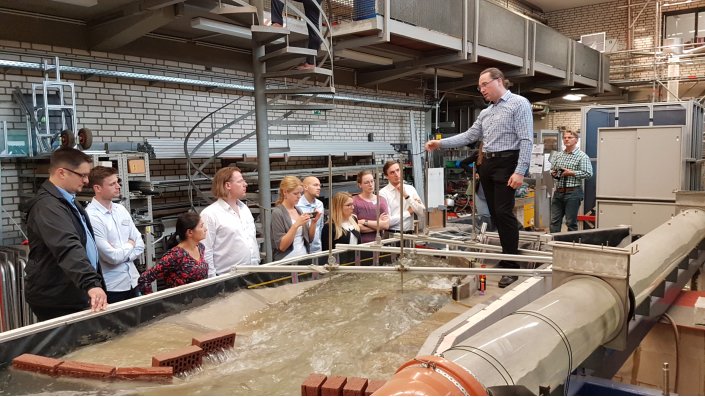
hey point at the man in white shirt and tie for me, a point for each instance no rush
(412, 202)
(118, 240)
(232, 237)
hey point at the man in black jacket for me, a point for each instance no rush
(62, 274)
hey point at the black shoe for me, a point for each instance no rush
(506, 281)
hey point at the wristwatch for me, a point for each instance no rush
(365, 223)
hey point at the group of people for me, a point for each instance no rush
(85, 258)
(297, 220)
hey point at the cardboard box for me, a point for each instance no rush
(436, 219)
(645, 366)
(135, 166)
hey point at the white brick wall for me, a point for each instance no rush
(131, 110)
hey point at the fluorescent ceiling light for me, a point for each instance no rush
(82, 3)
(221, 27)
(364, 57)
(444, 73)
(573, 97)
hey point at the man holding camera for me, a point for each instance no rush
(569, 167)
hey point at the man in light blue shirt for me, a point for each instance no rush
(505, 128)
(118, 240)
(308, 203)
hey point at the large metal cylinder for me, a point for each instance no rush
(660, 251)
(542, 343)
(547, 339)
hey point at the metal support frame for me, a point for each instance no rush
(265, 196)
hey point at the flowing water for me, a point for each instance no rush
(353, 325)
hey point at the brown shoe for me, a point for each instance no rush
(276, 25)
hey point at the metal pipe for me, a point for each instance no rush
(446, 253)
(661, 250)
(331, 258)
(476, 245)
(375, 191)
(390, 269)
(401, 208)
(541, 344)
(203, 83)
(546, 335)
(263, 180)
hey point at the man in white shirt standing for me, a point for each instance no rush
(118, 240)
(232, 237)
(309, 202)
(412, 202)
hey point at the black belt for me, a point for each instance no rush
(398, 231)
(566, 189)
(504, 153)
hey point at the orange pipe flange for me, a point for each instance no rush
(420, 377)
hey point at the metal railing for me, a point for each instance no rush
(14, 310)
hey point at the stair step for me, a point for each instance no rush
(299, 73)
(267, 34)
(289, 137)
(244, 15)
(300, 90)
(276, 65)
(297, 122)
(288, 53)
(301, 107)
(279, 149)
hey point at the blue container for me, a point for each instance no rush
(364, 9)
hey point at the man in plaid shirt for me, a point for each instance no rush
(569, 167)
(505, 129)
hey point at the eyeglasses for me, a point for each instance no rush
(82, 176)
(484, 85)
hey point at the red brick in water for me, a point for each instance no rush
(355, 386)
(333, 386)
(181, 360)
(312, 385)
(79, 369)
(145, 373)
(34, 363)
(214, 341)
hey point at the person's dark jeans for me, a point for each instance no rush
(565, 204)
(312, 13)
(494, 175)
(118, 296)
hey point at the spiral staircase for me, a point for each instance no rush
(282, 94)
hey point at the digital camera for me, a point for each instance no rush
(559, 173)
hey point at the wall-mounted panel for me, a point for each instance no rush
(444, 18)
(551, 47)
(587, 61)
(501, 29)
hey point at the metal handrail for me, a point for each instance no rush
(4, 294)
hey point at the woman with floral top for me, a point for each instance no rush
(184, 263)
